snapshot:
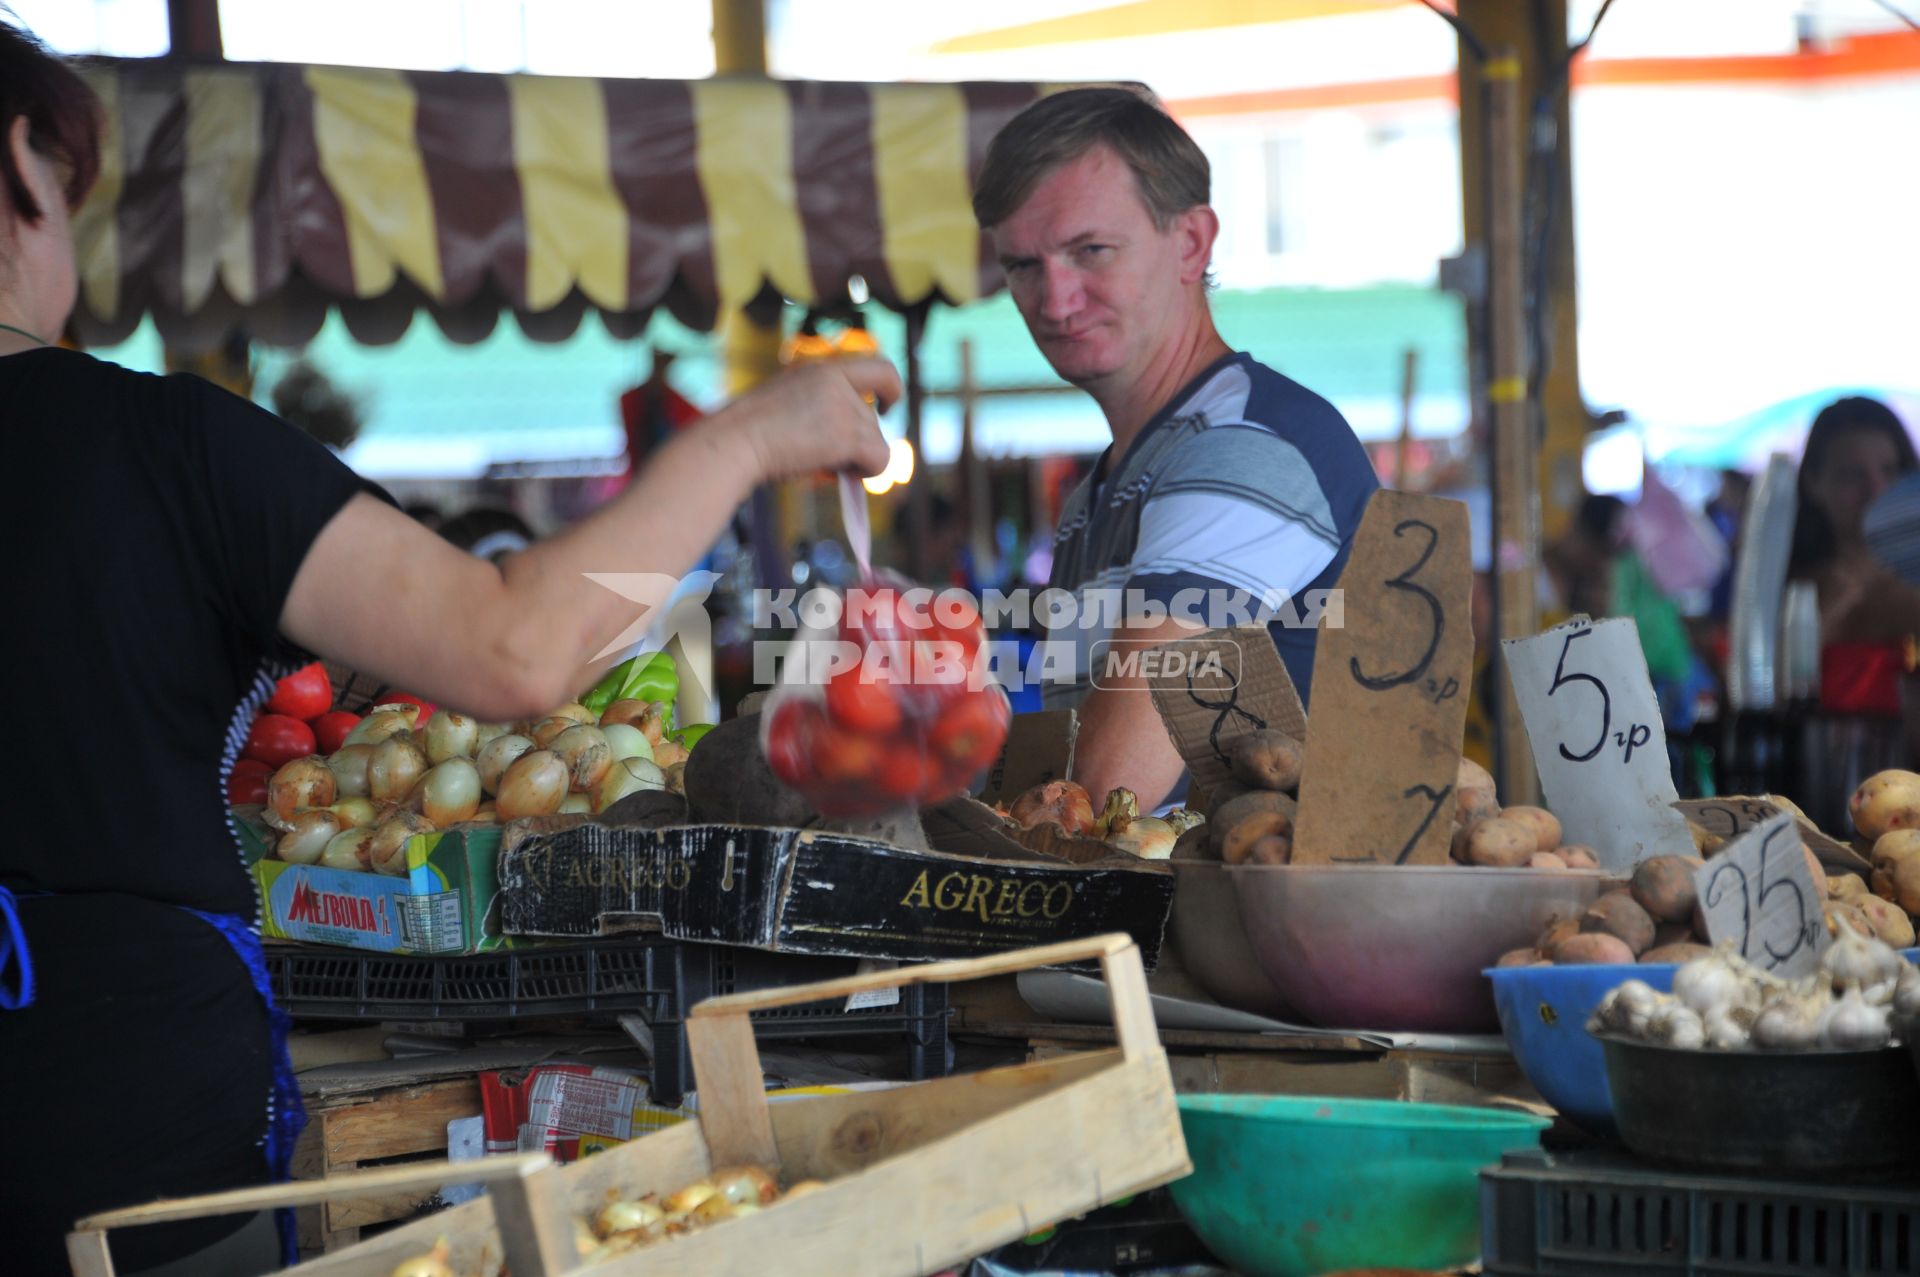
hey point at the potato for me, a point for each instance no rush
(1471, 775)
(1271, 849)
(1906, 885)
(1592, 949)
(1266, 759)
(1664, 887)
(1882, 883)
(1679, 952)
(1844, 886)
(1617, 914)
(1705, 841)
(1194, 845)
(1223, 793)
(1896, 844)
(1816, 871)
(1474, 804)
(1556, 931)
(1841, 913)
(1885, 801)
(1523, 958)
(1239, 822)
(1545, 860)
(1544, 824)
(1578, 856)
(1666, 933)
(1500, 843)
(1888, 920)
(1462, 837)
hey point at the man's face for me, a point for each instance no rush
(1096, 281)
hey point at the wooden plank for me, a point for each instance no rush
(395, 1123)
(1184, 1039)
(732, 1089)
(242, 1201)
(536, 1232)
(376, 1208)
(87, 1252)
(929, 973)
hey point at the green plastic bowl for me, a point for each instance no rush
(1292, 1186)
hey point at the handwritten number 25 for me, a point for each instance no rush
(1561, 679)
(1405, 582)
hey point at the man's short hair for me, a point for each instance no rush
(1170, 169)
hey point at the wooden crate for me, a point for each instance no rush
(345, 1131)
(918, 1177)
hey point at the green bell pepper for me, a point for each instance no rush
(689, 736)
(653, 679)
(607, 690)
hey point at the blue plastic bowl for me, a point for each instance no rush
(1544, 1013)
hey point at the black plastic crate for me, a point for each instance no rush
(1602, 1213)
(658, 979)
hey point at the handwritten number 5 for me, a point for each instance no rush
(1561, 678)
(1405, 582)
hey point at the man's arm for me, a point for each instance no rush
(1122, 740)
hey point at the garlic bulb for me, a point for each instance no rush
(1789, 1024)
(1676, 1024)
(1725, 1032)
(1711, 982)
(1906, 990)
(1851, 1024)
(1856, 959)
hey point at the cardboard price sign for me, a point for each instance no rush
(1598, 740)
(1228, 682)
(1039, 748)
(1732, 816)
(1390, 688)
(1759, 894)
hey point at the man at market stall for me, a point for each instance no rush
(1226, 481)
(174, 549)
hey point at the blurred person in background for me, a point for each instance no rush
(1577, 567)
(1856, 450)
(210, 550)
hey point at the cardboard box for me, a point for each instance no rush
(807, 891)
(442, 906)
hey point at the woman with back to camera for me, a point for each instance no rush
(175, 549)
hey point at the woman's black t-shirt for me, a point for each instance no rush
(154, 527)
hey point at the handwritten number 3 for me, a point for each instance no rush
(1405, 582)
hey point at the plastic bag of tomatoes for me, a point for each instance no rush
(885, 702)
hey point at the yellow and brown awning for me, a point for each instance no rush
(256, 197)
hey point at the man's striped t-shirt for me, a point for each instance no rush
(1246, 488)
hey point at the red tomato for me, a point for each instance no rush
(865, 706)
(247, 782)
(331, 728)
(790, 742)
(841, 755)
(958, 620)
(277, 739)
(902, 771)
(972, 729)
(304, 694)
(421, 714)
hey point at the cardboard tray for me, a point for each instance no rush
(808, 891)
(917, 1178)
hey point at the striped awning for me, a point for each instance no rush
(254, 197)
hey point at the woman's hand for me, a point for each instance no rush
(816, 417)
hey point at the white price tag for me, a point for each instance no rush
(1597, 739)
(1759, 894)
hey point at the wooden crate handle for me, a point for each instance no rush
(726, 1062)
(87, 1245)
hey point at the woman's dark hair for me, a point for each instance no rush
(1814, 540)
(1599, 517)
(63, 118)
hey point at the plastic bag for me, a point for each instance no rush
(884, 701)
(1681, 549)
